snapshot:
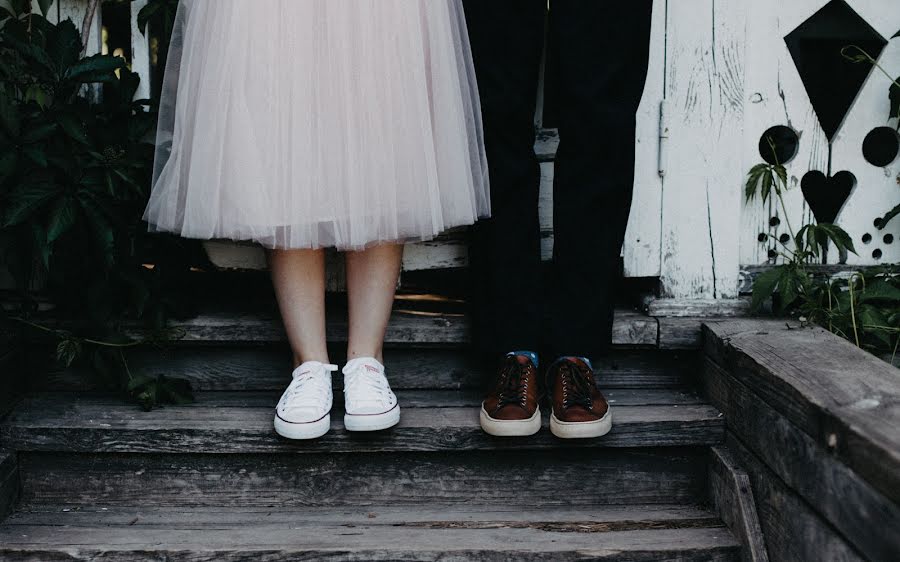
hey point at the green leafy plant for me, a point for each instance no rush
(790, 279)
(76, 154)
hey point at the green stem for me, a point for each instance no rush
(853, 311)
(60, 334)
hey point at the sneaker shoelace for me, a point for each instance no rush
(310, 387)
(578, 385)
(513, 383)
(363, 379)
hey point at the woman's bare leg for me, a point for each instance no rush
(299, 280)
(371, 282)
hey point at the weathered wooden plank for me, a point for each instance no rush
(408, 399)
(406, 328)
(589, 519)
(268, 368)
(793, 531)
(366, 542)
(705, 91)
(843, 398)
(680, 333)
(696, 308)
(616, 477)
(9, 483)
(841, 496)
(732, 496)
(89, 424)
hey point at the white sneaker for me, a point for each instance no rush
(368, 400)
(304, 411)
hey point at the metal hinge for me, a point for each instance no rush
(663, 156)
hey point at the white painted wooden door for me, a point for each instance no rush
(776, 95)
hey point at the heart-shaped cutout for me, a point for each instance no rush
(826, 195)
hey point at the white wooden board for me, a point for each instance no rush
(701, 194)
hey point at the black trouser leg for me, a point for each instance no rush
(505, 254)
(601, 51)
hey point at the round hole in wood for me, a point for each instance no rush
(867, 238)
(762, 237)
(774, 221)
(779, 145)
(785, 238)
(888, 238)
(877, 254)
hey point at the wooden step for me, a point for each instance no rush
(435, 532)
(242, 423)
(236, 326)
(524, 478)
(267, 367)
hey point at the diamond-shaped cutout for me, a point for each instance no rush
(832, 81)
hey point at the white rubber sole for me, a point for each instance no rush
(510, 428)
(372, 422)
(581, 430)
(311, 430)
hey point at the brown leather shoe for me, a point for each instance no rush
(511, 409)
(580, 410)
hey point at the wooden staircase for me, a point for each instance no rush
(97, 479)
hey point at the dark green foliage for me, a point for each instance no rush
(76, 155)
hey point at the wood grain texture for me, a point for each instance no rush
(845, 400)
(705, 90)
(9, 483)
(793, 531)
(593, 519)
(679, 333)
(832, 489)
(368, 542)
(696, 307)
(267, 367)
(732, 495)
(405, 328)
(88, 424)
(523, 479)
(414, 533)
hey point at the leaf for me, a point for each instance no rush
(62, 217)
(64, 46)
(36, 154)
(73, 127)
(68, 350)
(9, 116)
(8, 161)
(39, 132)
(880, 290)
(764, 286)
(101, 230)
(25, 201)
(96, 68)
(753, 179)
(838, 236)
